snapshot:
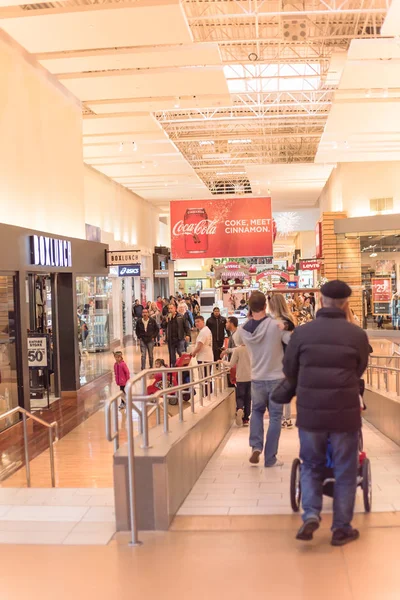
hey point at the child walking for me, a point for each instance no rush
(241, 359)
(122, 375)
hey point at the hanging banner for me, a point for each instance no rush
(381, 289)
(235, 227)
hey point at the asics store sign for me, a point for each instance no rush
(129, 271)
(50, 252)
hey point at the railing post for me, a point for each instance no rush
(116, 428)
(165, 398)
(158, 415)
(145, 435)
(217, 375)
(180, 397)
(379, 379)
(397, 383)
(192, 390)
(27, 465)
(131, 471)
(51, 448)
(200, 376)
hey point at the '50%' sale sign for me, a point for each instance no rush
(233, 227)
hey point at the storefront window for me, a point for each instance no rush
(95, 325)
(8, 362)
(94, 305)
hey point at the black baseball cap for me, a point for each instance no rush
(336, 289)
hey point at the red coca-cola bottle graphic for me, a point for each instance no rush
(196, 234)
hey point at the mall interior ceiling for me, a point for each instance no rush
(195, 98)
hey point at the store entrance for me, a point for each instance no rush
(8, 350)
(44, 371)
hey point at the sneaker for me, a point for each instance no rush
(239, 418)
(306, 531)
(284, 424)
(246, 422)
(255, 456)
(277, 463)
(341, 537)
(122, 406)
(289, 424)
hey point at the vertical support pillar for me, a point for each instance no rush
(342, 258)
(68, 332)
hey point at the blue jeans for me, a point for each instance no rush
(313, 446)
(260, 395)
(174, 347)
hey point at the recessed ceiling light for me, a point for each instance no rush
(385, 93)
(177, 102)
(368, 94)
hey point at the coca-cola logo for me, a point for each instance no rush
(204, 227)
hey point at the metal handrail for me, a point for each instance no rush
(153, 400)
(385, 369)
(50, 426)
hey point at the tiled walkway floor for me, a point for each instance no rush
(229, 485)
(56, 516)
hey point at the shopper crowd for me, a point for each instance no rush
(285, 349)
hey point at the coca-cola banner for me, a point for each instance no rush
(219, 228)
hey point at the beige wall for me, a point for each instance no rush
(352, 186)
(131, 220)
(41, 183)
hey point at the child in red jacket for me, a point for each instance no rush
(122, 374)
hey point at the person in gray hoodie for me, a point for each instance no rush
(263, 337)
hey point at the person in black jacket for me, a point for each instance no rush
(217, 325)
(177, 332)
(326, 358)
(147, 332)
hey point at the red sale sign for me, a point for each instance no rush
(234, 227)
(381, 290)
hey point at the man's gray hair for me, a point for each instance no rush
(334, 302)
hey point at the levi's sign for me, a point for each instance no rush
(50, 252)
(310, 265)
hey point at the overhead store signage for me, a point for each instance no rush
(129, 271)
(235, 227)
(273, 273)
(161, 273)
(50, 252)
(310, 265)
(180, 273)
(122, 257)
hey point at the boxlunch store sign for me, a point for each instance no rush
(49, 252)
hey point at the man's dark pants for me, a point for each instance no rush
(313, 448)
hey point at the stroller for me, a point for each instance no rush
(172, 381)
(363, 478)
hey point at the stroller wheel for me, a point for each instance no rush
(295, 485)
(367, 484)
(173, 400)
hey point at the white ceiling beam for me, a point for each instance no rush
(10, 12)
(298, 14)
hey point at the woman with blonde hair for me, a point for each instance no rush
(156, 314)
(279, 310)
